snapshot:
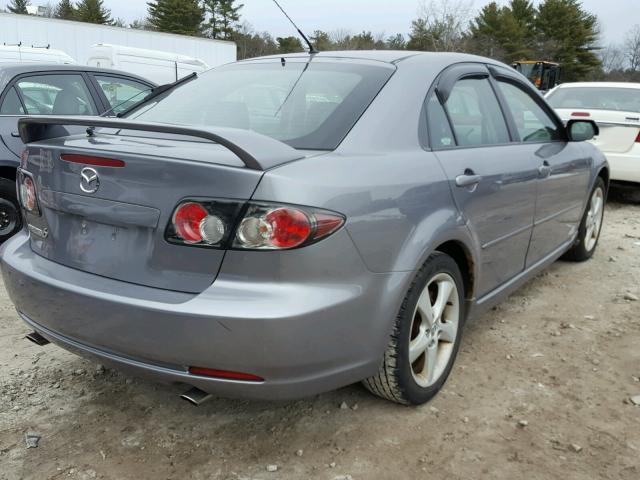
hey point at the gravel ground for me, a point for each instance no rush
(541, 390)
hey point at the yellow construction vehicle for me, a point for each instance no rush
(544, 75)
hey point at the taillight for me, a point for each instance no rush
(28, 197)
(263, 226)
(580, 114)
(638, 138)
(203, 223)
(271, 227)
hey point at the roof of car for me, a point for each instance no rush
(600, 85)
(10, 70)
(388, 56)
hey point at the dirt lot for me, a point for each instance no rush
(540, 391)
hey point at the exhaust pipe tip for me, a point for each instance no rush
(196, 397)
(38, 339)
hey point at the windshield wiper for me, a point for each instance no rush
(156, 92)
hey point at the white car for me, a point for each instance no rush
(616, 109)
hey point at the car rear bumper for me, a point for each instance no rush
(301, 338)
(625, 166)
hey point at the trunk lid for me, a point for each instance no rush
(118, 230)
(618, 130)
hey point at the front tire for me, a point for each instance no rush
(590, 226)
(10, 218)
(426, 335)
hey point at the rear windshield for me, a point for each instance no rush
(596, 98)
(308, 105)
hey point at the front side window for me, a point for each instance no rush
(532, 122)
(308, 105)
(475, 114)
(122, 93)
(11, 104)
(56, 95)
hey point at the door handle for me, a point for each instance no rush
(544, 170)
(15, 134)
(468, 179)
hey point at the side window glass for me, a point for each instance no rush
(122, 93)
(532, 122)
(11, 104)
(440, 134)
(56, 95)
(475, 114)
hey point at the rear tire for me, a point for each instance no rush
(426, 335)
(590, 226)
(10, 217)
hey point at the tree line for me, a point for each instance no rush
(555, 30)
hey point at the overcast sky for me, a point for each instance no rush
(388, 16)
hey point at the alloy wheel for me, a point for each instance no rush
(594, 219)
(434, 329)
(8, 217)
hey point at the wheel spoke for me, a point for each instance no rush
(431, 362)
(425, 308)
(418, 346)
(445, 288)
(448, 331)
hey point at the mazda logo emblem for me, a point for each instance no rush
(89, 180)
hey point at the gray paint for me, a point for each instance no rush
(309, 319)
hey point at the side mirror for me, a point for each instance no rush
(582, 130)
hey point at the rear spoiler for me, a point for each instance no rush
(257, 151)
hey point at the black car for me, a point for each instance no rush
(40, 89)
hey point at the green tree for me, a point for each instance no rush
(19, 6)
(321, 41)
(251, 44)
(396, 42)
(223, 17)
(65, 10)
(289, 45)
(93, 11)
(176, 16)
(568, 35)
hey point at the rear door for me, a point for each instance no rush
(563, 168)
(493, 183)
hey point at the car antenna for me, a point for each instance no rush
(312, 49)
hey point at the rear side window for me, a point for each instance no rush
(56, 95)
(309, 105)
(475, 114)
(532, 122)
(440, 134)
(122, 93)
(11, 104)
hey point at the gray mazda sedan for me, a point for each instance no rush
(284, 226)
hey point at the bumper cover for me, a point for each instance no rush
(302, 338)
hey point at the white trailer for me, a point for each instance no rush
(159, 67)
(77, 38)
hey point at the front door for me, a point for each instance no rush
(563, 167)
(493, 184)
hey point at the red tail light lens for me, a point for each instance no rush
(580, 114)
(187, 220)
(28, 197)
(638, 138)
